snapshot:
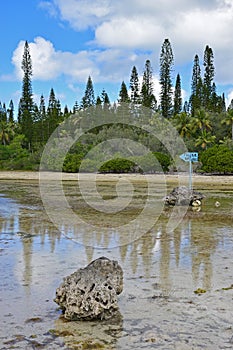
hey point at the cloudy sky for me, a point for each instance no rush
(71, 39)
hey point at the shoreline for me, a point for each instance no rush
(170, 178)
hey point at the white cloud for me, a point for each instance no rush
(82, 14)
(129, 33)
(126, 33)
(43, 58)
(143, 25)
(49, 64)
(102, 65)
(110, 65)
(49, 7)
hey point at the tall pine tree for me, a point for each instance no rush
(75, 107)
(26, 105)
(10, 112)
(43, 127)
(177, 96)
(3, 113)
(196, 98)
(105, 99)
(134, 86)
(208, 76)
(147, 97)
(54, 117)
(88, 99)
(123, 94)
(166, 63)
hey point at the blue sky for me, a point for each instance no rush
(71, 39)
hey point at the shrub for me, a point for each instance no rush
(119, 165)
(89, 166)
(164, 160)
(71, 163)
(217, 159)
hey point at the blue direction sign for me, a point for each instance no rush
(189, 156)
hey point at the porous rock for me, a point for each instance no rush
(91, 292)
(182, 195)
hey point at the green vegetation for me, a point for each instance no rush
(203, 122)
(119, 165)
(200, 291)
(217, 159)
(166, 63)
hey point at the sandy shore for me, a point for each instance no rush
(197, 179)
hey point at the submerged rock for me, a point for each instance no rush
(91, 292)
(182, 195)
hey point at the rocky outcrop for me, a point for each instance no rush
(91, 292)
(182, 195)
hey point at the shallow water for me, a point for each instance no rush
(162, 268)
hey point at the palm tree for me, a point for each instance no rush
(227, 142)
(205, 138)
(182, 122)
(201, 121)
(229, 120)
(6, 132)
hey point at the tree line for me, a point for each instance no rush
(203, 121)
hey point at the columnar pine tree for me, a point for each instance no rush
(215, 100)
(26, 102)
(59, 112)
(208, 76)
(42, 108)
(3, 114)
(54, 117)
(10, 112)
(98, 101)
(196, 76)
(196, 86)
(52, 101)
(177, 96)
(43, 127)
(166, 63)
(75, 107)
(223, 103)
(88, 99)
(147, 97)
(134, 86)
(123, 94)
(105, 99)
(66, 112)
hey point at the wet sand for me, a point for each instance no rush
(220, 180)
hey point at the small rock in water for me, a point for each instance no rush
(91, 292)
(182, 195)
(196, 203)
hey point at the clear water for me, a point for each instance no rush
(162, 270)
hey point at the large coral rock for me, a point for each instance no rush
(91, 292)
(182, 195)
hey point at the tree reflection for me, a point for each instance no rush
(204, 243)
(158, 252)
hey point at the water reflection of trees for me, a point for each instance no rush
(157, 252)
(204, 244)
